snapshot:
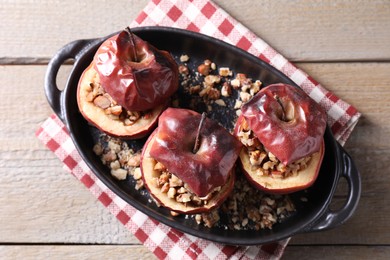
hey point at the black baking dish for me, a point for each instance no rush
(313, 215)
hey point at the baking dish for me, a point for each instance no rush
(311, 215)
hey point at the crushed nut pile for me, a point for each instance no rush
(264, 162)
(246, 208)
(176, 189)
(215, 85)
(121, 160)
(103, 100)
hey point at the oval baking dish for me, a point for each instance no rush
(312, 215)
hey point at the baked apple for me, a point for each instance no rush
(282, 130)
(98, 108)
(127, 86)
(188, 163)
(134, 73)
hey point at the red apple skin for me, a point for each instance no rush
(97, 117)
(136, 85)
(287, 140)
(211, 165)
(148, 173)
(303, 180)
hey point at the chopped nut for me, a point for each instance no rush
(238, 104)
(181, 190)
(164, 178)
(115, 110)
(204, 69)
(225, 72)
(114, 146)
(214, 94)
(137, 174)
(184, 58)
(245, 96)
(198, 218)
(133, 115)
(183, 70)
(204, 92)
(115, 165)
(134, 160)
(256, 157)
(109, 156)
(165, 187)
(98, 149)
(120, 173)
(226, 90)
(171, 193)
(174, 213)
(235, 83)
(175, 182)
(207, 62)
(194, 89)
(102, 102)
(268, 165)
(210, 218)
(139, 184)
(210, 80)
(184, 197)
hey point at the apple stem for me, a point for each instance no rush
(128, 30)
(281, 105)
(197, 141)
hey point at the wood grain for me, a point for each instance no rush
(129, 252)
(336, 252)
(326, 30)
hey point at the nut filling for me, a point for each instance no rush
(177, 190)
(121, 160)
(263, 162)
(103, 100)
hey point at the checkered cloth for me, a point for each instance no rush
(205, 17)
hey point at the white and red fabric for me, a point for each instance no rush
(205, 17)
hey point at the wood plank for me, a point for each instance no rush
(140, 252)
(76, 252)
(39, 201)
(336, 252)
(66, 212)
(327, 30)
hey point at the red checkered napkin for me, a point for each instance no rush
(206, 17)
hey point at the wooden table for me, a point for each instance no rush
(45, 212)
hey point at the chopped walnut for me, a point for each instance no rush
(214, 94)
(176, 189)
(266, 163)
(184, 58)
(121, 160)
(225, 72)
(226, 90)
(183, 70)
(204, 69)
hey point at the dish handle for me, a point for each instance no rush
(71, 51)
(331, 219)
